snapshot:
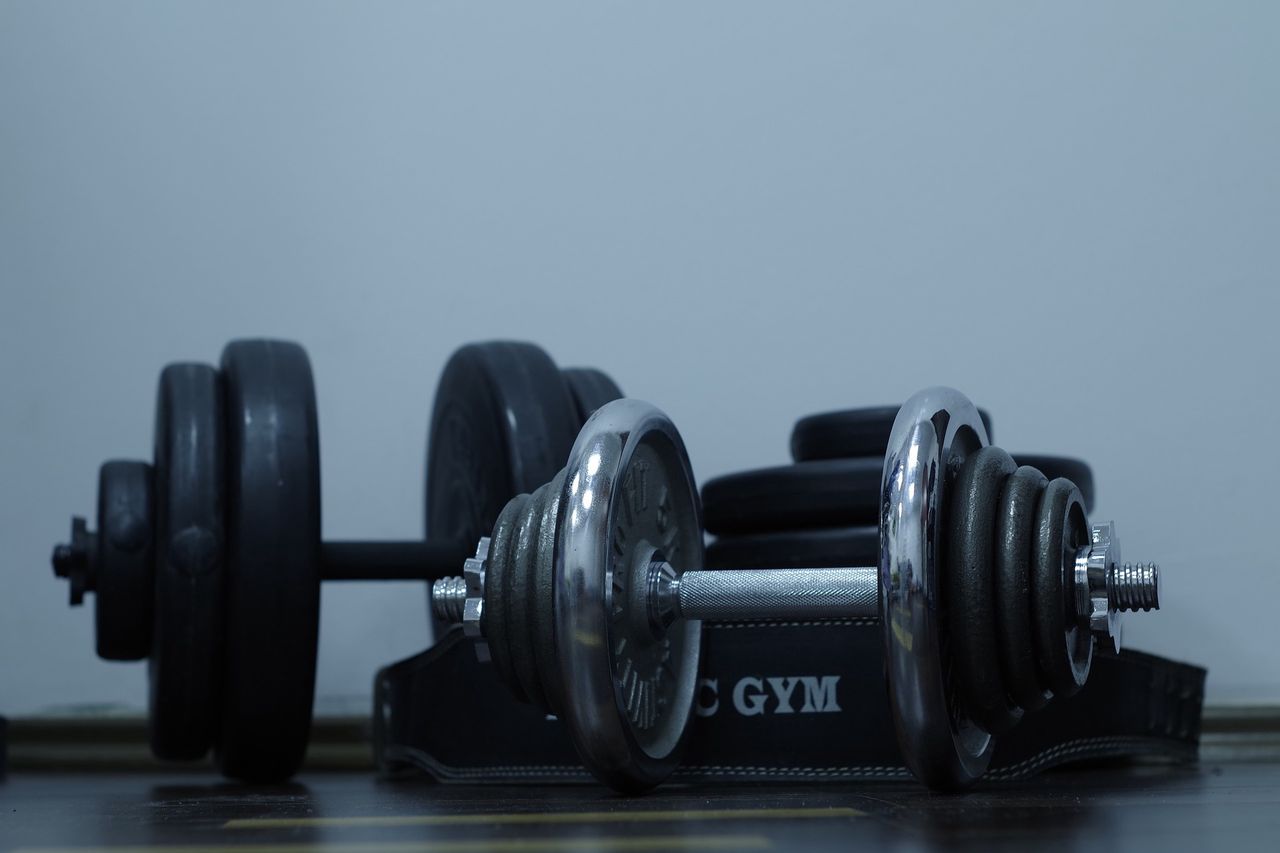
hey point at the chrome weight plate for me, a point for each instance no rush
(933, 433)
(629, 499)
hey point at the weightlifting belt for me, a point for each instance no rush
(788, 700)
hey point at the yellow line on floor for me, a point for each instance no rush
(480, 819)
(631, 844)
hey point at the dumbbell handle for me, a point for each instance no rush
(1100, 589)
(1100, 586)
(412, 559)
(387, 561)
(734, 595)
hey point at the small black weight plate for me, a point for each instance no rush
(503, 573)
(187, 634)
(850, 433)
(273, 559)
(971, 588)
(1064, 651)
(820, 549)
(503, 424)
(1053, 467)
(125, 575)
(518, 611)
(590, 389)
(541, 603)
(826, 493)
(1015, 529)
(520, 584)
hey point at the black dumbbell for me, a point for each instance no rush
(208, 562)
(589, 591)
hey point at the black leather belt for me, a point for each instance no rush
(777, 701)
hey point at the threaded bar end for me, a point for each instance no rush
(448, 596)
(1134, 586)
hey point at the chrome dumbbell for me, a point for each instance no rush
(991, 587)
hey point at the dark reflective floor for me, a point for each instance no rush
(1224, 807)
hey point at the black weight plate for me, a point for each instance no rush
(1015, 529)
(845, 546)
(524, 600)
(1053, 467)
(542, 604)
(826, 493)
(273, 559)
(125, 591)
(503, 424)
(1063, 650)
(590, 389)
(850, 433)
(971, 588)
(187, 634)
(502, 575)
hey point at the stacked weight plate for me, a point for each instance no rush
(207, 561)
(823, 509)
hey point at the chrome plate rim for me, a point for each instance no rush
(595, 709)
(933, 433)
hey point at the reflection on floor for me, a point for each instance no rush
(1228, 806)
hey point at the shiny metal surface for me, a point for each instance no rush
(1093, 564)
(473, 574)
(461, 598)
(1135, 586)
(448, 597)
(933, 433)
(742, 595)
(629, 592)
(1106, 588)
(629, 499)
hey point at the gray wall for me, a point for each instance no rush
(745, 212)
